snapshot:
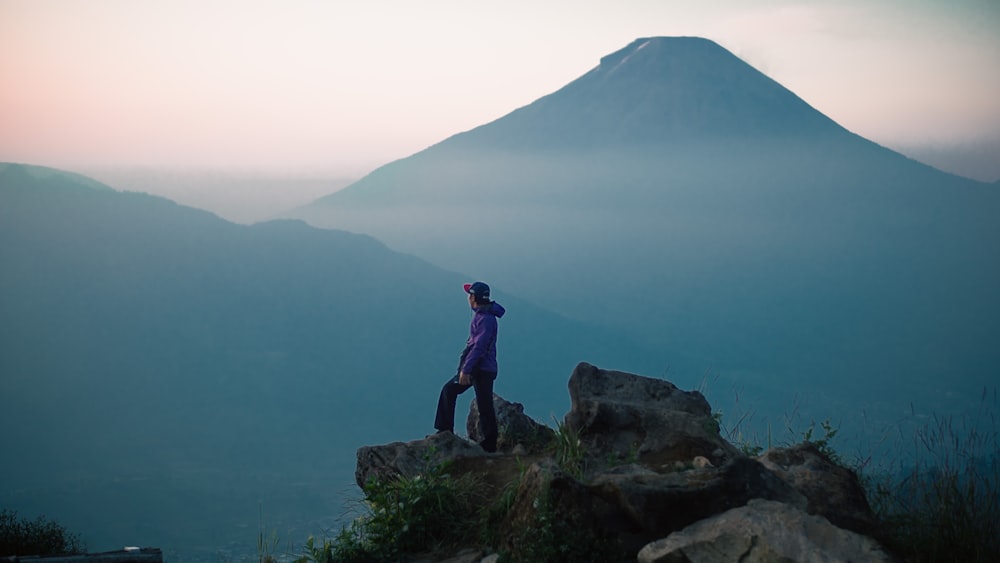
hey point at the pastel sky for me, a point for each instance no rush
(342, 87)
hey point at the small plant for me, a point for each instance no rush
(503, 504)
(945, 505)
(429, 512)
(266, 543)
(324, 553)
(748, 445)
(615, 459)
(20, 536)
(749, 449)
(714, 425)
(554, 536)
(823, 443)
(568, 450)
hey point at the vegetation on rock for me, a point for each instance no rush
(943, 507)
(428, 513)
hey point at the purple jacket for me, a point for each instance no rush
(481, 347)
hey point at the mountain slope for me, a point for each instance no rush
(154, 351)
(677, 193)
(656, 90)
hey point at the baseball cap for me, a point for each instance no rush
(479, 290)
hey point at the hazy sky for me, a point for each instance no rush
(341, 87)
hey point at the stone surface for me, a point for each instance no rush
(642, 505)
(567, 500)
(656, 475)
(832, 491)
(622, 415)
(515, 428)
(408, 459)
(764, 532)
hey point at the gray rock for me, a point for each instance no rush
(619, 415)
(409, 459)
(764, 532)
(515, 428)
(833, 491)
(642, 505)
(544, 484)
(655, 470)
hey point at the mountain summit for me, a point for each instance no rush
(657, 90)
(677, 193)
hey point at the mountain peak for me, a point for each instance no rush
(659, 90)
(619, 57)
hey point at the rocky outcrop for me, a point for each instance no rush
(409, 459)
(545, 487)
(619, 414)
(764, 532)
(643, 505)
(655, 475)
(517, 432)
(831, 491)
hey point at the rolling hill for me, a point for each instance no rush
(168, 375)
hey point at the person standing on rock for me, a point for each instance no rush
(477, 367)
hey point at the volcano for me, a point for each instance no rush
(675, 192)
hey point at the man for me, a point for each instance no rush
(477, 367)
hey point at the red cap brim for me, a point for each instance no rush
(467, 287)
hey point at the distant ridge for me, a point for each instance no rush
(14, 173)
(211, 366)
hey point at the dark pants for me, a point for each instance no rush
(482, 381)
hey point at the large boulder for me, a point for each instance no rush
(495, 472)
(832, 491)
(642, 505)
(622, 415)
(764, 531)
(551, 505)
(409, 459)
(516, 430)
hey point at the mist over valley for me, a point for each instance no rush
(676, 193)
(171, 377)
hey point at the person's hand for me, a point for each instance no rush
(464, 379)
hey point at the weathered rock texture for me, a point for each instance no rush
(409, 459)
(831, 490)
(643, 505)
(619, 414)
(545, 487)
(657, 474)
(763, 532)
(517, 431)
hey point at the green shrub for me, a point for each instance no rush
(942, 506)
(19, 536)
(568, 450)
(430, 512)
(824, 443)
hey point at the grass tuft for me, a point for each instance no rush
(429, 513)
